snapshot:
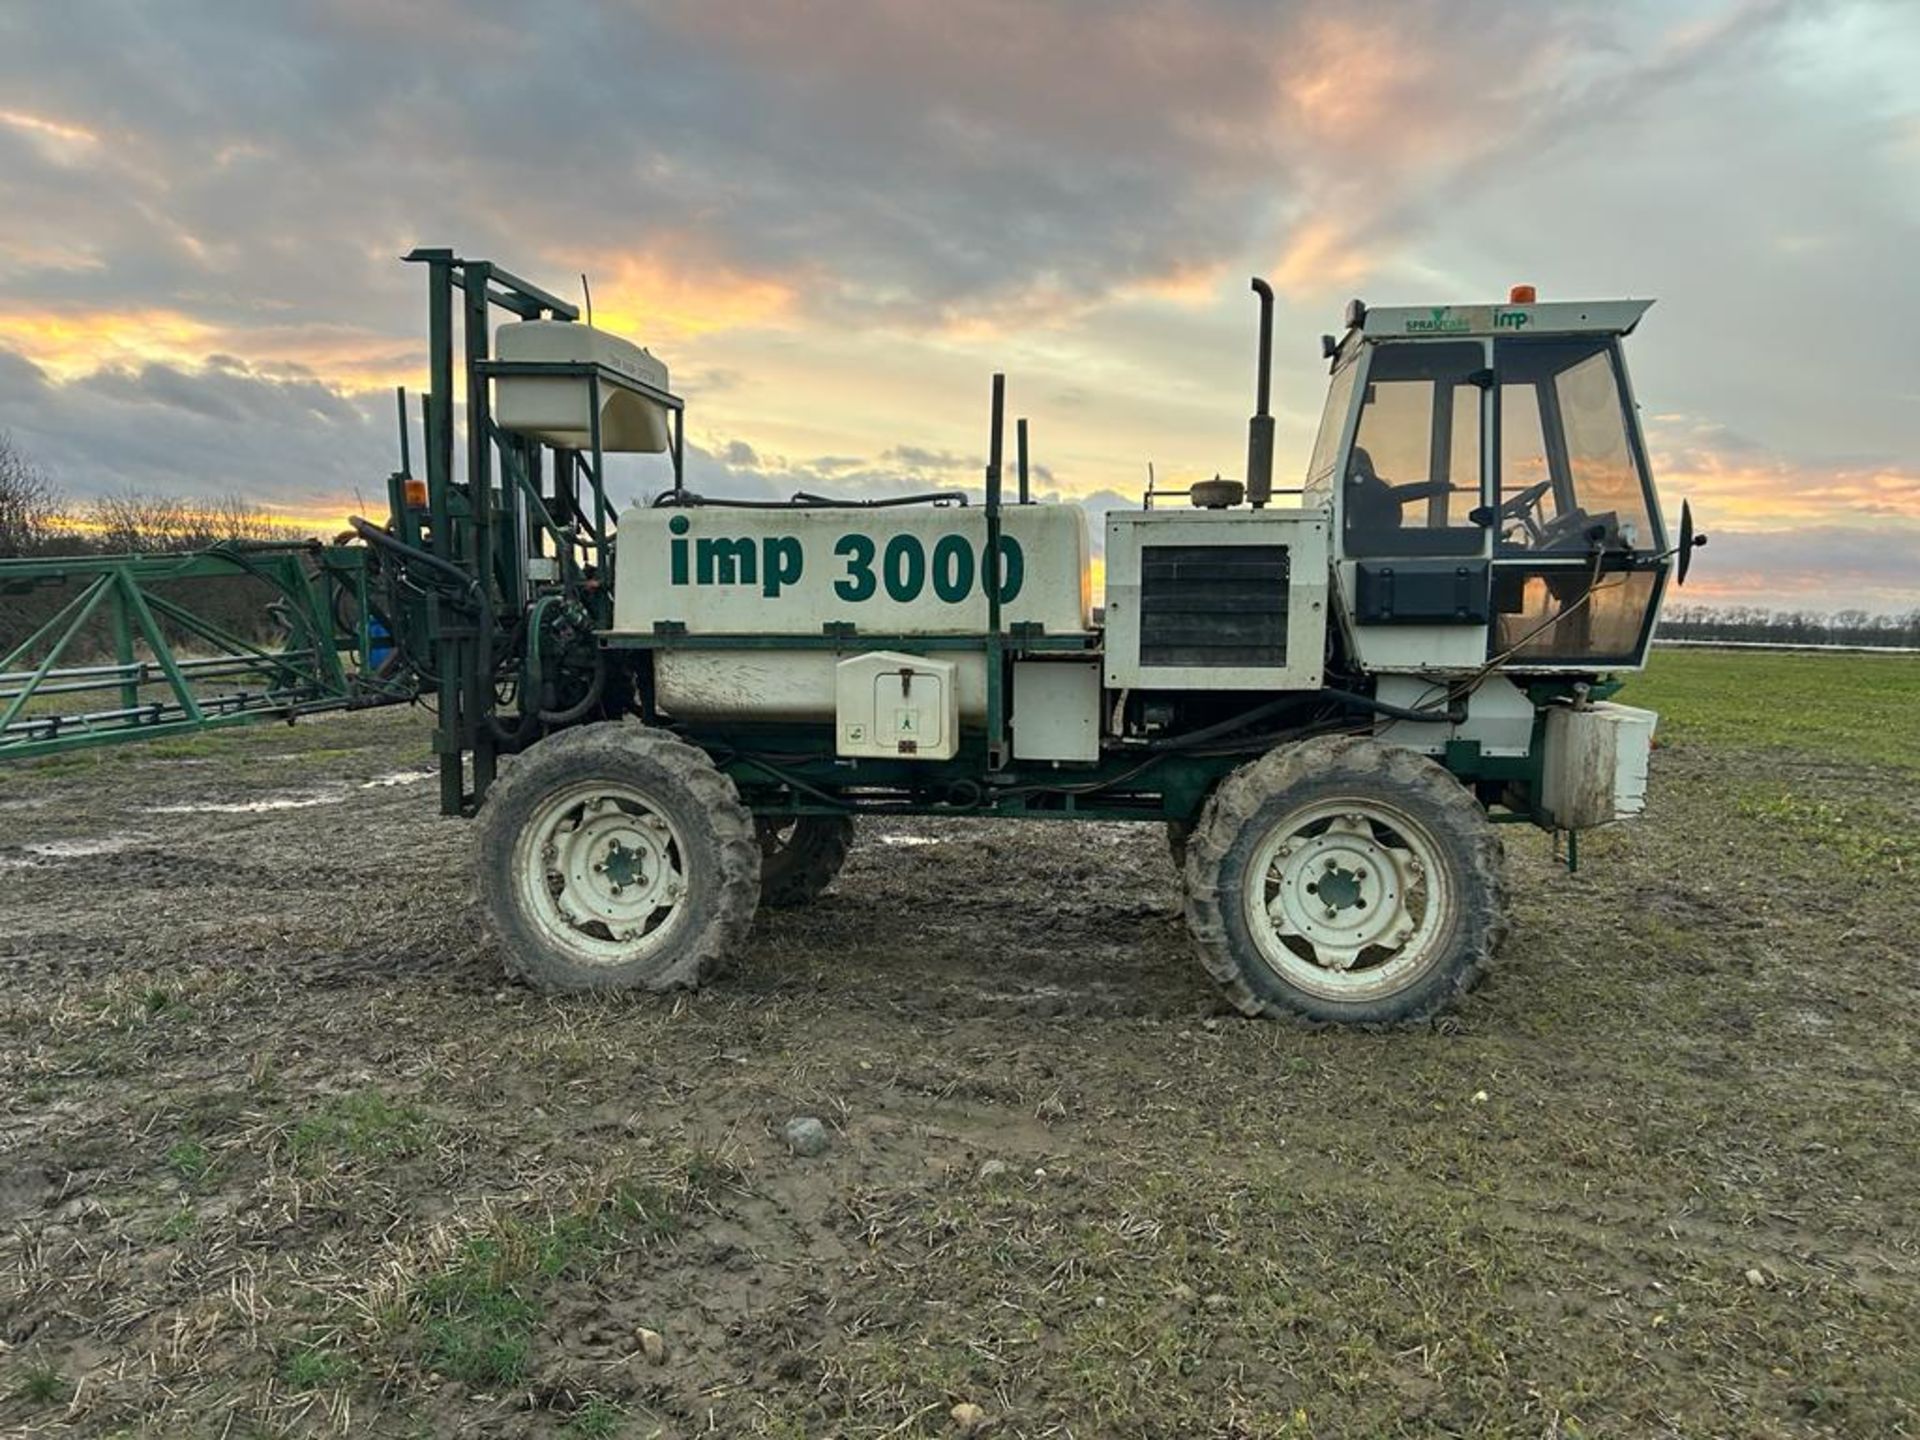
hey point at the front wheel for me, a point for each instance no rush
(613, 856)
(1346, 881)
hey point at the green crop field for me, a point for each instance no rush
(1842, 707)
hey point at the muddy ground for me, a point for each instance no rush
(282, 1153)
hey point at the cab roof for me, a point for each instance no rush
(1556, 317)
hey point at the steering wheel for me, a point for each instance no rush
(1525, 507)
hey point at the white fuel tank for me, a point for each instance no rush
(896, 572)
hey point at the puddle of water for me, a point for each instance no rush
(911, 840)
(249, 807)
(291, 802)
(398, 777)
(74, 849)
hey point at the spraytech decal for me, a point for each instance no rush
(1441, 322)
(905, 568)
(1445, 320)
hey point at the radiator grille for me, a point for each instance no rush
(1213, 605)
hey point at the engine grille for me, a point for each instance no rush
(1213, 605)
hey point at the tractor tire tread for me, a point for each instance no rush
(807, 865)
(716, 939)
(1465, 832)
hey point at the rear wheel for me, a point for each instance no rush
(1346, 881)
(800, 855)
(613, 856)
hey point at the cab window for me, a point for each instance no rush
(1413, 476)
(1333, 428)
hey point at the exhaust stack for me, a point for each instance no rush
(1260, 427)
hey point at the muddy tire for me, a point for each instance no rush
(1346, 881)
(615, 857)
(800, 855)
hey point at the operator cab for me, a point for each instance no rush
(1489, 486)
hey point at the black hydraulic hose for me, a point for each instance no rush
(579, 708)
(1454, 714)
(686, 499)
(676, 499)
(1224, 727)
(931, 497)
(529, 718)
(374, 535)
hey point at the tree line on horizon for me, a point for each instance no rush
(38, 520)
(1761, 625)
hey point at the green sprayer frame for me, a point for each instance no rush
(206, 676)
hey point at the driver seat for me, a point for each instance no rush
(1371, 503)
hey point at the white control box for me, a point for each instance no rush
(900, 706)
(1056, 710)
(1595, 766)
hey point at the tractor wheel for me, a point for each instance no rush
(1346, 881)
(613, 857)
(800, 855)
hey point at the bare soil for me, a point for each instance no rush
(282, 1153)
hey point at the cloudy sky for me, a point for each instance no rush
(835, 220)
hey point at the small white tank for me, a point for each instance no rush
(558, 409)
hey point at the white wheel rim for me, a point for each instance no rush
(602, 870)
(1348, 900)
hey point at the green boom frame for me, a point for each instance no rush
(222, 679)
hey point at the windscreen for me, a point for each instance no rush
(1570, 475)
(1333, 424)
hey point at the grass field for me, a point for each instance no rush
(1839, 707)
(282, 1154)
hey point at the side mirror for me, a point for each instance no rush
(1688, 542)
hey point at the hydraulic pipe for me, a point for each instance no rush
(991, 576)
(1020, 448)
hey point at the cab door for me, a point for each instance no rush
(1412, 501)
